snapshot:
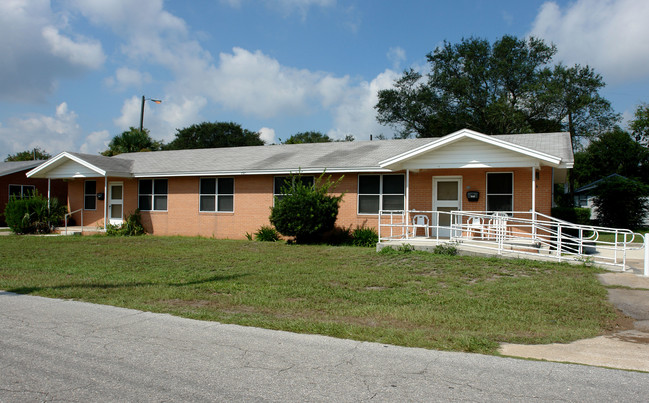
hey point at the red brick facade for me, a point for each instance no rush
(58, 188)
(253, 197)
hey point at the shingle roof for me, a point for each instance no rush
(108, 164)
(11, 167)
(352, 156)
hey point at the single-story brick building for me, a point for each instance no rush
(226, 192)
(13, 181)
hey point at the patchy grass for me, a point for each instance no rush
(414, 299)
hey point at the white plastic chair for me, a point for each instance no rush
(475, 225)
(420, 221)
(498, 225)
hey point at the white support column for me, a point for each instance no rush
(646, 255)
(534, 202)
(105, 200)
(49, 192)
(407, 212)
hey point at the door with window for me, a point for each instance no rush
(447, 197)
(115, 203)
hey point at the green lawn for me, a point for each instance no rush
(409, 299)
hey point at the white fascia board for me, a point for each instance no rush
(260, 172)
(58, 160)
(466, 133)
(484, 165)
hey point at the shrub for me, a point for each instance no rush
(363, 236)
(306, 212)
(338, 236)
(575, 215)
(267, 234)
(620, 202)
(33, 214)
(445, 249)
(131, 227)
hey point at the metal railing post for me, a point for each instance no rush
(646, 255)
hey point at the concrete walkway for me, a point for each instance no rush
(626, 349)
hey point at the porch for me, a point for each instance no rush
(529, 235)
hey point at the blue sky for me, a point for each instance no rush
(73, 71)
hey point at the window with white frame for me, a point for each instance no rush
(21, 191)
(217, 195)
(500, 191)
(281, 181)
(90, 195)
(152, 194)
(381, 192)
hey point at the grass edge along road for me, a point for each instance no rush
(413, 299)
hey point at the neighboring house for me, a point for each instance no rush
(226, 192)
(13, 181)
(585, 197)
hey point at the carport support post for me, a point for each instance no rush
(646, 255)
(105, 201)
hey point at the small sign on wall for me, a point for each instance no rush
(473, 196)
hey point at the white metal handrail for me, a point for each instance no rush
(522, 232)
(69, 215)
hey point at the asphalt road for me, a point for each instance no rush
(72, 351)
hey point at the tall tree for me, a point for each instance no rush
(214, 135)
(308, 137)
(28, 155)
(640, 125)
(507, 87)
(132, 141)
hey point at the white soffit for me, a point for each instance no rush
(66, 165)
(470, 149)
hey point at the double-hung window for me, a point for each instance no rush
(21, 191)
(381, 192)
(152, 194)
(217, 194)
(280, 182)
(90, 195)
(500, 191)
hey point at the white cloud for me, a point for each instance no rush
(35, 55)
(126, 77)
(96, 142)
(267, 134)
(51, 133)
(609, 35)
(84, 52)
(397, 56)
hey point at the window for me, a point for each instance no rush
(380, 192)
(90, 195)
(217, 194)
(21, 191)
(500, 191)
(281, 181)
(152, 194)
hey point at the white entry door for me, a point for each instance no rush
(115, 203)
(447, 196)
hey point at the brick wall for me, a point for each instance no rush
(253, 197)
(58, 188)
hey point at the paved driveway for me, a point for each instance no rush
(63, 350)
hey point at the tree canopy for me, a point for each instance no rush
(132, 141)
(308, 137)
(507, 87)
(214, 135)
(640, 125)
(29, 155)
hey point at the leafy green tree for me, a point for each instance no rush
(308, 137)
(614, 152)
(132, 141)
(214, 135)
(29, 155)
(507, 87)
(621, 203)
(306, 211)
(640, 125)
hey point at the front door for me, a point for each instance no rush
(447, 197)
(115, 203)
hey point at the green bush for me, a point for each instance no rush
(131, 227)
(267, 234)
(306, 212)
(33, 214)
(445, 249)
(338, 236)
(620, 202)
(363, 236)
(575, 215)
